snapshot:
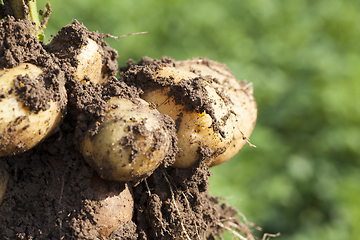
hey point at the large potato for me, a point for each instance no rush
(20, 128)
(130, 143)
(201, 133)
(240, 100)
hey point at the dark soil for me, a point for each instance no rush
(18, 46)
(49, 194)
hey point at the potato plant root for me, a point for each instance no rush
(52, 193)
(50, 196)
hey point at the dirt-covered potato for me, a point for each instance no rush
(130, 143)
(89, 62)
(21, 128)
(240, 100)
(91, 57)
(87, 59)
(203, 120)
(113, 206)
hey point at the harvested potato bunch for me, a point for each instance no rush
(130, 143)
(240, 100)
(91, 57)
(21, 128)
(114, 206)
(203, 120)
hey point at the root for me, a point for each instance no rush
(243, 135)
(236, 234)
(247, 222)
(248, 141)
(239, 227)
(147, 186)
(62, 188)
(236, 228)
(268, 236)
(176, 207)
(188, 205)
(122, 36)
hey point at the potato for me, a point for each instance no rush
(87, 57)
(240, 94)
(20, 128)
(114, 207)
(89, 63)
(205, 67)
(208, 131)
(4, 179)
(93, 60)
(130, 143)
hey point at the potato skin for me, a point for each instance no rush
(113, 207)
(131, 142)
(21, 129)
(195, 130)
(242, 102)
(90, 63)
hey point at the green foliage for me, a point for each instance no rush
(303, 58)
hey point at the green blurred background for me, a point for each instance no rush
(303, 179)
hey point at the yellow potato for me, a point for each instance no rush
(242, 102)
(90, 63)
(205, 67)
(195, 130)
(131, 142)
(90, 57)
(21, 129)
(114, 207)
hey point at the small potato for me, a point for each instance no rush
(197, 130)
(92, 58)
(21, 129)
(113, 207)
(240, 100)
(130, 143)
(89, 63)
(87, 57)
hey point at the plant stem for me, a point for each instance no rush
(26, 9)
(18, 8)
(34, 16)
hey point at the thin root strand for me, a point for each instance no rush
(267, 236)
(176, 207)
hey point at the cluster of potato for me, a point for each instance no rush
(212, 121)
